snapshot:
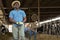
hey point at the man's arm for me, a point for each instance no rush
(11, 17)
(24, 20)
(11, 20)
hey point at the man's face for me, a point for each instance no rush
(16, 5)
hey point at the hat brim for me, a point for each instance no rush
(15, 2)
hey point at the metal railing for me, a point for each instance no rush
(50, 30)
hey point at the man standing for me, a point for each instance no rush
(17, 17)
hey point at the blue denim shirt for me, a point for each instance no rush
(17, 15)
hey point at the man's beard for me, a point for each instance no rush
(16, 7)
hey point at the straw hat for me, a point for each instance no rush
(15, 2)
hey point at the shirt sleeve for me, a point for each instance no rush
(11, 15)
(24, 15)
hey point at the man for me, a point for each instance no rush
(30, 31)
(17, 17)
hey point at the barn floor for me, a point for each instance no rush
(8, 36)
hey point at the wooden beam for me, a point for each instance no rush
(38, 10)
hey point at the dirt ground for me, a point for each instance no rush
(8, 36)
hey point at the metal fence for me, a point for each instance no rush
(51, 31)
